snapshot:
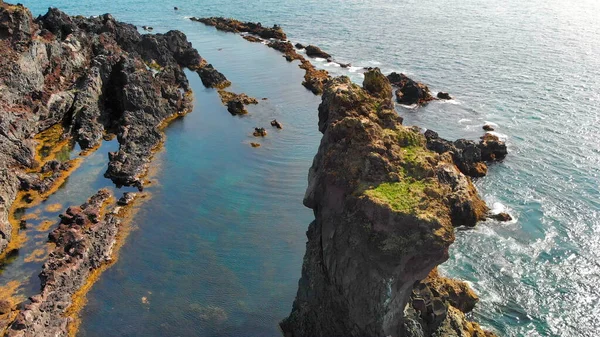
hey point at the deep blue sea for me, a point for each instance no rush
(217, 250)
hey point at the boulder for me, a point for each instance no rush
(299, 46)
(488, 127)
(409, 91)
(314, 51)
(502, 217)
(260, 132)
(276, 124)
(443, 95)
(492, 148)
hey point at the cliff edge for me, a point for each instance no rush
(385, 211)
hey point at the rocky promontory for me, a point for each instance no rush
(385, 211)
(94, 76)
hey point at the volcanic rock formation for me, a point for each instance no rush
(92, 75)
(385, 211)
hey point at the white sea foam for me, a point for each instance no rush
(501, 136)
(492, 124)
(463, 120)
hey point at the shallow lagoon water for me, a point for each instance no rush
(220, 245)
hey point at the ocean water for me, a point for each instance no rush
(218, 249)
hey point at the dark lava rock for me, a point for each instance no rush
(260, 132)
(502, 217)
(299, 45)
(236, 107)
(127, 198)
(492, 148)
(443, 95)
(465, 153)
(314, 51)
(275, 123)
(488, 127)
(176, 8)
(409, 91)
(212, 78)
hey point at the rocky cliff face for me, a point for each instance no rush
(385, 210)
(95, 76)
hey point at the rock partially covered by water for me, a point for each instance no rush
(84, 241)
(469, 156)
(276, 124)
(385, 210)
(212, 78)
(260, 132)
(409, 91)
(502, 217)
(492, 148)
(235, 26)
(443, 95)
(236, 103)
(314, 51)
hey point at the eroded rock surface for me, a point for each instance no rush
(93, 75)
(84, 242)
(409, 91)
(385, 210)
(235, 26)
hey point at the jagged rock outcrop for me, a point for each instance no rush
(94, 76)
(409, 91)
(212, 78)
(469, 156)
(84, 242)
(236, 103)
(385, 210)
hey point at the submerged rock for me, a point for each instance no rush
(260, 132)
(488, 127)
(385, 210)
(252, 38)
(409, 91)
(254, 144)
(275, 123)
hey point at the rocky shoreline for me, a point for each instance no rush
(84, 242)
(75, 79)
(386, 198)
(386, 207)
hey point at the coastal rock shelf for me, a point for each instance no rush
(385, 211)
(84, 241)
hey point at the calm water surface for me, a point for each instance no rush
(219, 247)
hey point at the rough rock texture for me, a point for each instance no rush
(94, 76)
(314, 79)
(314, 51)
(84, 241)
(469, 156)
(212, 78)
(409, 91)
(385, 210)
(236, 103)
(235, 26)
